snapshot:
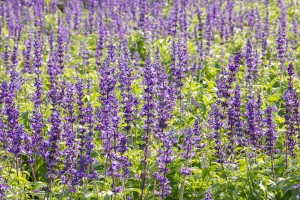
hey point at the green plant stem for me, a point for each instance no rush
(154, 187)
(182, 188)
(63, 191)
(272, 160)
(248, 170)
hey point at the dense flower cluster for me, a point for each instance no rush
(148, 99)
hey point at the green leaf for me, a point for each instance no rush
(207, 99)
(89, 194)
(128, 190)
(273, 98)
(262, 187)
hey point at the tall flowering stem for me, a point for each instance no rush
(281, 46)
(253, 122)
(36, 120)
(129, 101)
(51, 149)
(250, 62)
(3, 133)
(165, 106)
(100, 43)
(291, 116)
(85, 131)
(149, 84)
(114, 142)
(15, 133)
(270, 134)
(27, 53)
(215, 122)
(179, 68)
(70, 153)
(235, 123)
(191, 144)
(89, 144)
(225, 80)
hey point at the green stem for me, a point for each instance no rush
(182, 188)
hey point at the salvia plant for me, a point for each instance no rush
(149, 99)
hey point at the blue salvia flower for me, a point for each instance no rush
(191, 144)
(174, 61)
(3, 127)
(86, 26)
(201, 53)
(295, 32)
(53, 71)
(183, 19)
(164, 158)
(14, 57)
(291, 115)
(270, 132)
(281, 45)
(51, 149)
(100, 43)
(209, 26)
(253, 126)
(5, 57)
(226, 78)
(283, 16)
(86, 121)
(222, 28)
(129, 101)
(234, 121)
(18, 33)
(179, 66)
(83, 163)
(143, 8)
(257, 25)
(165, 95)
(36, 121)
(15, 131)
(51, 39)
(136, 62)
(265, 34)
(173, 19)
(223, 87)
(252, 70)
(27, 54)
(61, 45)
(68, 135)
(164, 107)
(215, 122)
(113, 141)
(148, 112)
(251, 19)
(92, 8)
(183, 55)
(89, 144)
(85, 54)
(230, 15)
(259, 118)
(77, 14)
(111, 52)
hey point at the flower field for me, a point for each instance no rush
(149, 99)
